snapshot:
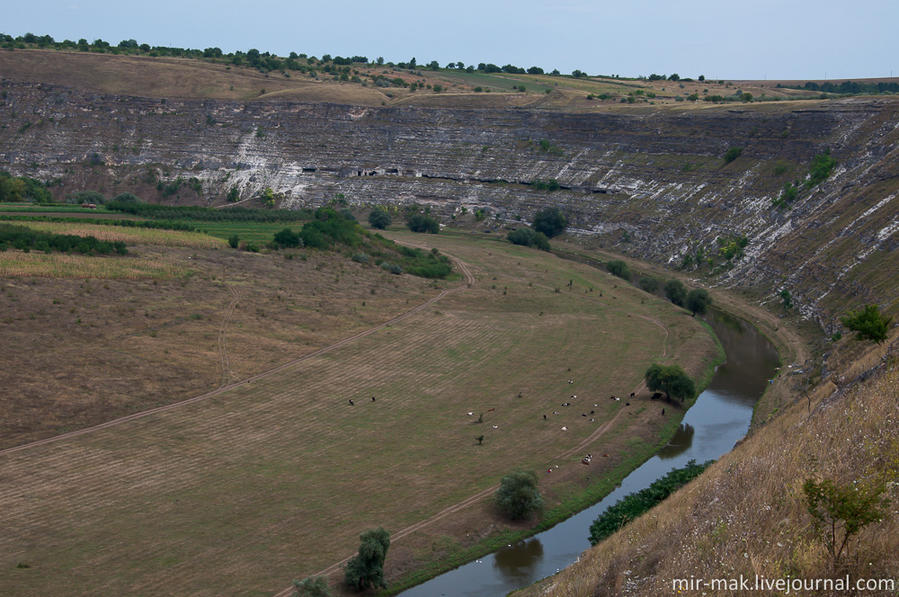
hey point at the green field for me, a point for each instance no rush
(274, 478)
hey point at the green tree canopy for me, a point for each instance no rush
(698, 301)
(518, 496)
(423, 223)
(868, 323)
(676, 292)
(670, 379)
(528, 238)
(550, 221)
(366, 569)
(619, 268)
(379, 218)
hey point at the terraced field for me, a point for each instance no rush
(273, 477)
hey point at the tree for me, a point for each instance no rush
(287, 238)
(528, 238)
(619, 268)
(233, 241)
(670, 379)
(698, 301)
(649, 284)
(868, 323)
(550, 221)
(732, 154)
(366, 569)
(423, 223)
(676, 292)
(314, 586)
(517, 496)
(842, 510)
(379, 218)
(786, 299)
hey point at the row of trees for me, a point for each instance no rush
(27, 239)
(264, 61)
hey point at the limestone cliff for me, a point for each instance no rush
(647, 182)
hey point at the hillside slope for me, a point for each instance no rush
(634, 180)
(746, 515)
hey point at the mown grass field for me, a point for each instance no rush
(275, 478)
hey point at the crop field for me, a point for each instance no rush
(272, 476)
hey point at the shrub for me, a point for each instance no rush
(868, 323)
(670, 379)
(287, 238)
(423, 223)
(550, 221)
(787, 195)
(366, 569)
(25, 239)
(698, 301)
(517, 496)
(648, 284)
(822, 165)
(529, 238)
(233, 241)
(392, 268)
(123, 198)
(676, 292)
(314, 586)
(360, 258)
(842, 510)
(379, 218)
(732, 154)
(619, 268)
(635, 504)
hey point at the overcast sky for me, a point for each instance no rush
(722, 39)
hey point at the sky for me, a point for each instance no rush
(721, 39)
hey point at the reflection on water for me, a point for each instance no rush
(517, 562)
(719, 418)
(680, 443)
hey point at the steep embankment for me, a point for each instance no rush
(746, 515)
(637, 181)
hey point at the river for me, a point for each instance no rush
(717, 420)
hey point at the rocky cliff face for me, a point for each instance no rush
(650, 183)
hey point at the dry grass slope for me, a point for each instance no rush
(746, 515)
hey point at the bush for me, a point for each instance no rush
(822, 165)
(423, 223)
(732, 154)
(392, 268)
(648, 284)
(366, 569)
(698, 301)
(379, 218)
(233, 241)
(670, 379)
(635, 504)
(125, 198)
(529, 238)
(619, 268)
(676, 292)
(787, 196)
(550, 221)
(287, 238)
(868, 323)
(517, 496)
(314, 586)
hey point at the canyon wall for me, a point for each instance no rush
(647, 182)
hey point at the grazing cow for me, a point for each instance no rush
(633, 394)
(627, 403)
(663, 411)
(591, 412)
(372, 398)
(583, 414)
(351, 402)
(656, 395)
(544, 417)
(490, 410)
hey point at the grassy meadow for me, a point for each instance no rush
(273, 476)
